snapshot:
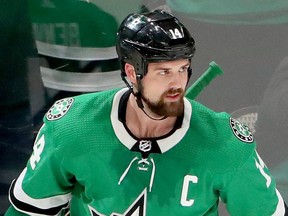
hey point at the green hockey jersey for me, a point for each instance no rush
(87, 162)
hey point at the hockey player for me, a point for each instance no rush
(145, 149)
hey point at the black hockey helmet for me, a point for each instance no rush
(152, 37)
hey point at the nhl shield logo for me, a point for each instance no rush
(59, 109)
(241, 131)
(145, 145)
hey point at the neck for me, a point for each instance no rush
(143, 126)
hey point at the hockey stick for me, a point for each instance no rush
(196, 88)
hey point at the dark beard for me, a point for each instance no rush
(167, 109)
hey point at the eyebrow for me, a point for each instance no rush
(168, 68)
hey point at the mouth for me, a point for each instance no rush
(173, 97)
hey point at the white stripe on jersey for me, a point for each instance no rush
(45, 203)
(280, 209)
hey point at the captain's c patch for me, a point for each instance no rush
(59, 109)
(241, 131)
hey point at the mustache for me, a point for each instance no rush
(174, 91)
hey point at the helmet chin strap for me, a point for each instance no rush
(139, 97)
(141, 106)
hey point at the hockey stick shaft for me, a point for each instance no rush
(199, 85)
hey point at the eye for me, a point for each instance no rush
(184, 69)
(163, 72)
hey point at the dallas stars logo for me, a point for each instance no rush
(59, 109)
(242, 132)
(137, 208)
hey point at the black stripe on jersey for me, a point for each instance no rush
(33, 209)
(79, 66)
(286, 209)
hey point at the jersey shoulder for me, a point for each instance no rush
(72, 108)
(221, 137)
(73, 120)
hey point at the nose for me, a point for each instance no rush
(177, 80)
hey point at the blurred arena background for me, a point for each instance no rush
(51, 49)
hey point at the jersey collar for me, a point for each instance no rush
(127, 139)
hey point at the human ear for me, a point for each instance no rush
(130, 73)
